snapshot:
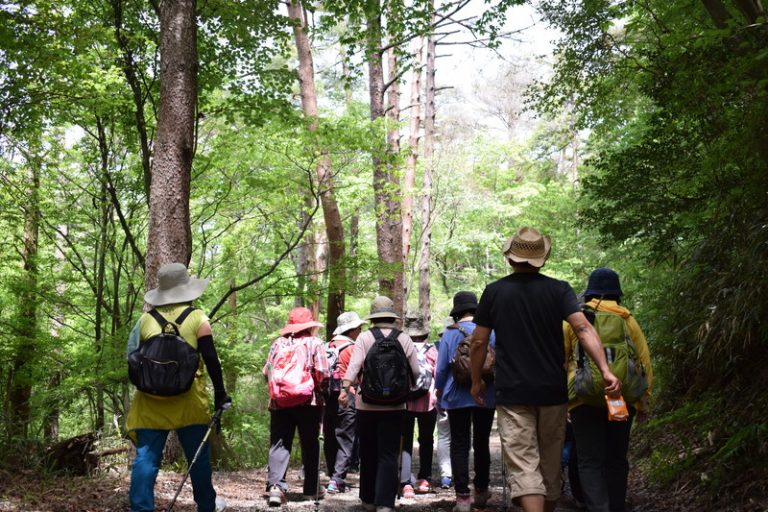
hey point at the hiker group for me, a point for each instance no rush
(529, 353)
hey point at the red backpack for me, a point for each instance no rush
(289, 373)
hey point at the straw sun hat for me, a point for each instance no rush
(528, 246)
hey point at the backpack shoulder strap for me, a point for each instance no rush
(460, 329)
(184, 314)
(393, 334)
(377, 334)
(160, 319)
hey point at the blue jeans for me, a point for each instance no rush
(149, 454)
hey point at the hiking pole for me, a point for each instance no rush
(504, 502)
(216, 417)
(320, 440)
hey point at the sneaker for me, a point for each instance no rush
(384, 509)
(423, 487)
(446, 482)
(463, 504)
(334, 487)
(481, 498)
(407, 494)
(276, 497)
(221, 504)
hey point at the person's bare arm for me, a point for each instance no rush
(478, 349)
(590, 340)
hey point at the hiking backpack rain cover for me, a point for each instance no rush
(164, 364)
(387, 373)
(621, 355)
(289, 373)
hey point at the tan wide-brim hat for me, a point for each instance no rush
(528, 246)
(382, 307)
(414, 326)
(175, 286)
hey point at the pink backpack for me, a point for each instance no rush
(289, 373)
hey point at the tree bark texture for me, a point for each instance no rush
(170, 234)
(426, 205)
(409, 177)
(333, 225)
(389, 234)
(21, 378)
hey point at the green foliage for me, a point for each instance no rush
(677, 172)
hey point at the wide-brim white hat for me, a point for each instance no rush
(347, 321)
(175, 286)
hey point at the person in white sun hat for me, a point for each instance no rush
(339, 423)
(150, 418)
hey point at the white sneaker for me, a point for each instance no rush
(384, 509)
(221, 504)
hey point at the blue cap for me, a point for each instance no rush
(603, 281)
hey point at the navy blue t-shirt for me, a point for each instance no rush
(526, 310)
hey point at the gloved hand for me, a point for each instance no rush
(221, 401)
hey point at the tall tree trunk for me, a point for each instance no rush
(333, 226)
(717, 12)
(409, 177)
(354, 220)
(129, 70)
(426, 205)
(52, 413)
(170, 233)
(389, 234)
(101, 256)
(21, 379)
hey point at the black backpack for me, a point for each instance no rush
(387, 373)
(165, 364)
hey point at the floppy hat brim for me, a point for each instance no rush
(535, 262)
(383, 314)
(341, 329)
(417, 333)
(186, 292)
(463, 307)
(294, 328)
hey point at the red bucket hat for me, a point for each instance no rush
(299, 319)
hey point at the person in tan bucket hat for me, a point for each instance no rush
(380, 426)
(528, 246)
(526, 310)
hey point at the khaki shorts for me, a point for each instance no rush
(532, 442)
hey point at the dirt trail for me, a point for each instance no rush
(244, 492)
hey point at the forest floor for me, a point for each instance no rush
(244, 491)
